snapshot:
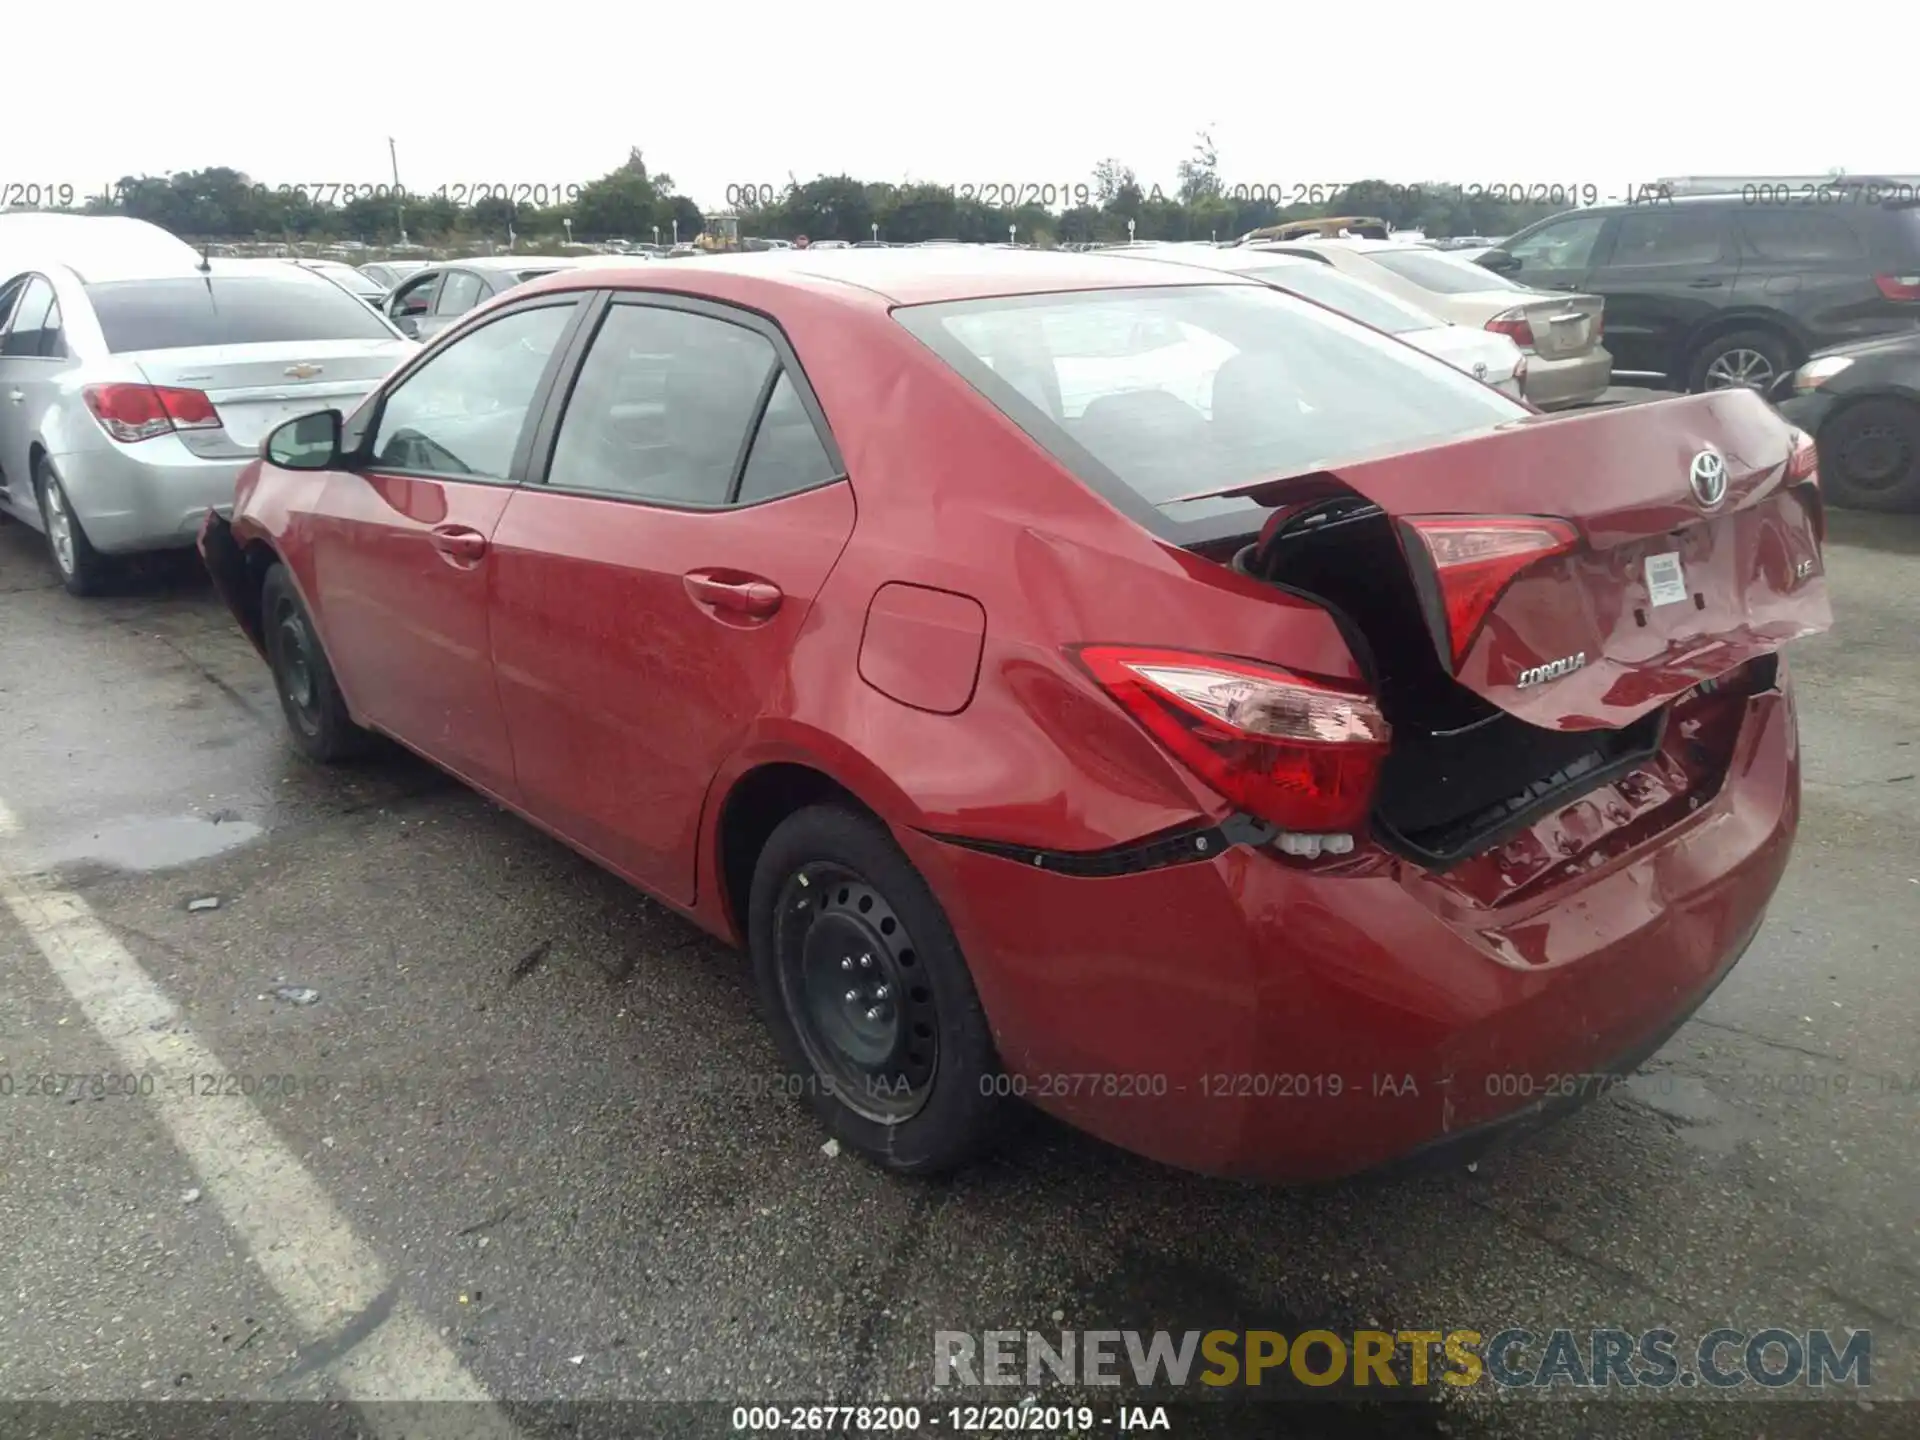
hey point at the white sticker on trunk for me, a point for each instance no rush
(1665, 583)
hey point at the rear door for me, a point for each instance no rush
(400, 544)
(685, 505)
(1812, 262)
(1664, 271)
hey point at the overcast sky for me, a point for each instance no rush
(1001, 91)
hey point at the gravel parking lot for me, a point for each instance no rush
(533, 1149)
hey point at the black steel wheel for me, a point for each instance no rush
(1870, 455)
(316, 714)
(850, 978)
(867, 994)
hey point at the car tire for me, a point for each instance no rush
(83, 570)
(868, 996)
(310, 698)
(1761, 356)
(1870, 455)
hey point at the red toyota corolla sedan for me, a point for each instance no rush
(1137, 691)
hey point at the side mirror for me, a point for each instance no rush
(1500, 262)
(310, 443)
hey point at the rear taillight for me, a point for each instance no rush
(1476, 558)
(1299, 753)
(1804, 462)
(1513, 324)
(130, 413)
(1899, 287)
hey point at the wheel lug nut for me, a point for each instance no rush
(873, 1013)
(847, 963)
(866, 962)
(880, 992)
(853, 997)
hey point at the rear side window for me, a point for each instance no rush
(1181, 391)
(1663, 235)
(1365, 303)
(787, 455)
(229, 310)
(1442, 274)
(1799, 235)
(662, 407)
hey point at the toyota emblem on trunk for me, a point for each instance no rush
(1708, 478)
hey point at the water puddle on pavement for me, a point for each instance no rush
(157, 844)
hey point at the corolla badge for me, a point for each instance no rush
(1479, 369)
(1552, 670)
(1708, 477)
(302, 371)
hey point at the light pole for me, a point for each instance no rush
(1010, 232)
(676, 229)
(399, 202)
(875, 227)
(1130, 232)
(567, 220)
(656, 237)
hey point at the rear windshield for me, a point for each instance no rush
(1440, 273)
(1365, 303)
(1180, 391)
(228, 310)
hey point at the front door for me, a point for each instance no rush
(401, 542)
(649, 585)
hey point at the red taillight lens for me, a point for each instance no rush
(131, 413)
(1475, 559)
(1899, 287)
(1804, 463)
(1299, 753)
(1513, 324)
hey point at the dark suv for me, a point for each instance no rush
(1717, 290)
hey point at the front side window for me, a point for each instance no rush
(461, 413)
(662, 407)
(1190, 390)
(414, 297)
(1563, 245)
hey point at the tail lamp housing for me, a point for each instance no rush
(1474, 559)
(132, 413)
(1299, 752)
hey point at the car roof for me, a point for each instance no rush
(917, 276)
(1236, 260)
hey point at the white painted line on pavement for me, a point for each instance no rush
(324, 1274)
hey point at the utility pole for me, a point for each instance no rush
(399, 196)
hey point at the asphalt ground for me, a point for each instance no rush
(534, 1151)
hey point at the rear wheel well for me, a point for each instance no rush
(757, 804)
(1723, 325)
(259, 558)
